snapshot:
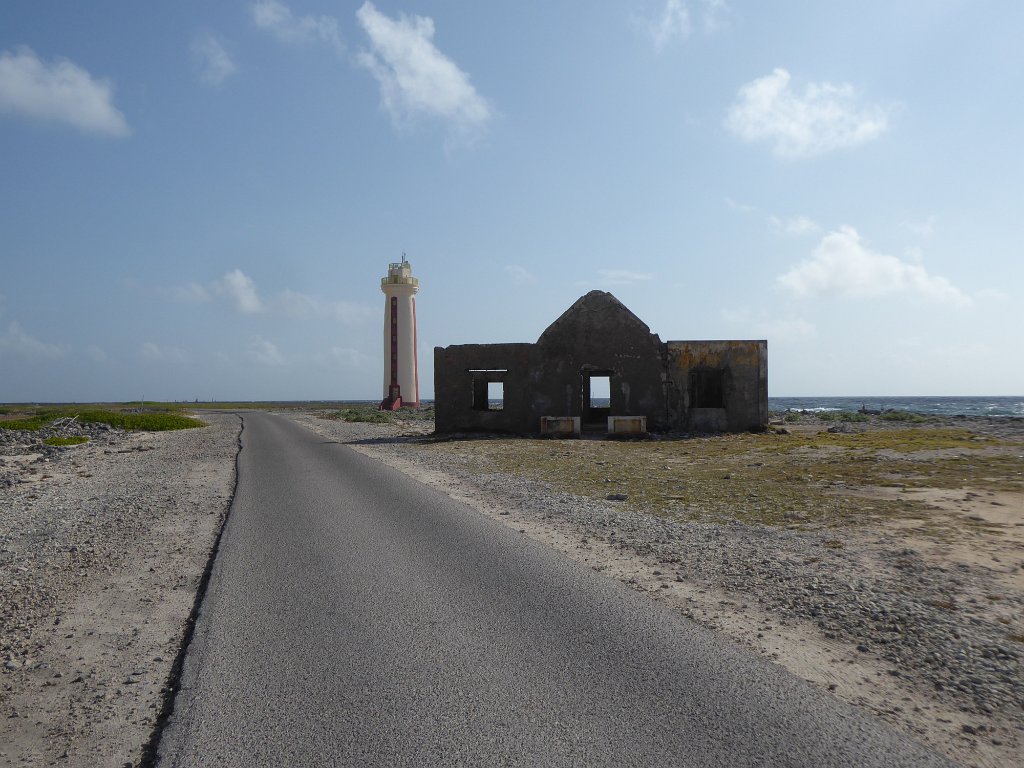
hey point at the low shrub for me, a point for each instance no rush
(140, 422)
(842, 416)
(907, 416)
(31, 423)
(63, 441)
(367, 414)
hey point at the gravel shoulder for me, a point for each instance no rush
(102, 549)
(918, 631)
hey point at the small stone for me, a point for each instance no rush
(969, 729)
(617, 497)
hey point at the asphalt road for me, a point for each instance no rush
(357, 617)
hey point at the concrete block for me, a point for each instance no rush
(560, 426)
(627, 425)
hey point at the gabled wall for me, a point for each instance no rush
(598, 335)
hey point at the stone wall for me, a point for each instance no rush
(693, 385)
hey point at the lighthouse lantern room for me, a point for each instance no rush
(401, 380)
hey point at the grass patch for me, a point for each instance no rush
(65, 441)
(150, 420)
(907, 416)
(806, 481)
(371, 414)
(365, 414)
(843, 416)
(140, 422)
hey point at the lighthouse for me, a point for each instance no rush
(401, 379)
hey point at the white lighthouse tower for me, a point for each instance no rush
(401, 379)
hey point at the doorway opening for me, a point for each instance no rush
(597, 395)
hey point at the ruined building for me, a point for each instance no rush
(700, 386)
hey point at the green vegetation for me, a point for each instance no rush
(843, 416)
(65, 441)
(802, 480)
(129, 416)
(371, 414)
(365, 414)
(140, 422)
(907, 416)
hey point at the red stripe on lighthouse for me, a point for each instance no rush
(415, 358)
(394, 341)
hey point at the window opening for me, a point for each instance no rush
(488, 389)
(707, 388)
(495, 395)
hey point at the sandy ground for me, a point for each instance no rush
(102, 554)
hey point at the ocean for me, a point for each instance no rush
(938, 406)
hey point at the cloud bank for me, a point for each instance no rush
(60, 92)
(825, 117)
(842, 266)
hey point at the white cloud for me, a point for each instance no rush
(60, 91)
(675, 20)
(673, 23)
(793, 225)
(278, 19)
(415, 77)
(519, 275)
(15, 340)
(843, 266)
(622, 276)
(264, 352)
(714, 10)
(240, 290)
(157, 354)
(741, 207)
(212, 60)
(823, 118)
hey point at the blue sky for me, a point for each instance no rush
(197, 200)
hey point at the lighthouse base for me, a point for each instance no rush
(393, 400)
(390, 404)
